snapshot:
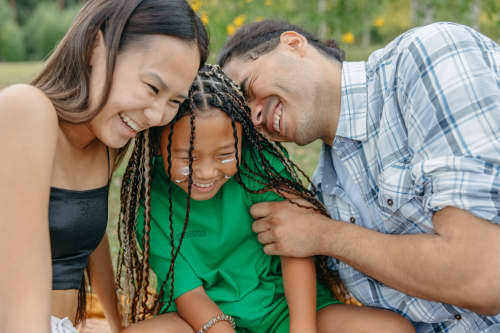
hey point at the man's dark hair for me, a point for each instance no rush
(258, 38)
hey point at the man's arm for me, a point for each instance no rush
(102, 281)
(459, 264)
(299, 280)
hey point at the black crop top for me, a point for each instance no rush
(77, 222)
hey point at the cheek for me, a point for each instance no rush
(180, 170)
(229, 167)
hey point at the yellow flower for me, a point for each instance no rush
(230, 29)
(248, 1)
(268, 3)
(196, 5)
(204, 18)
(348, 38)
(259, 19)
(239, 20)
(379, 22)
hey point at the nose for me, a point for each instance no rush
(257, 114)
(205, 169)
(154, 116)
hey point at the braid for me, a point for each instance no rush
(211, 89)
(222, 93)
(160, 304)
(135, 187)
(147, 221)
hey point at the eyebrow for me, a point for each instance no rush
(186, 150)
(180, 150)
(162, 83)
(229, 145)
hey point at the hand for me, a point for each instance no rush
(287, 229)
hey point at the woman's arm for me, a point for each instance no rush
(196, 308)
(102, 281)
(299, 280)
(28, 136)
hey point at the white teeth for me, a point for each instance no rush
(204, 185)
(277, 119)
(130, 122)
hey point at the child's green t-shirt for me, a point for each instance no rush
(219, 251)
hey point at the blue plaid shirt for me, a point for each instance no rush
(419, 130)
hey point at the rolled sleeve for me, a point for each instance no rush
(467, 183)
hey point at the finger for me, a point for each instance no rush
(261, 225)
(261, 209)
(271, 249)
(266, 237)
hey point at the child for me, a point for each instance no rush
(214, 166)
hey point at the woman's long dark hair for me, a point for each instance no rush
(66, 75)
(211, 89)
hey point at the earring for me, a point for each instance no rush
(227, 177)
(178, 181)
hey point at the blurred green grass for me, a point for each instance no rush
(18, 72)
(306, 157)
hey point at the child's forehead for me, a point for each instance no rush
(210, 128)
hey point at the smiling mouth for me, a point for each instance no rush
(277, 117)
(207, 187)
(204, 185)
(129, 122)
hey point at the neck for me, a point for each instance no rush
(332, 89)
(78, 135)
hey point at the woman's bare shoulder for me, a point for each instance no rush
(24, 104)
(27, 117)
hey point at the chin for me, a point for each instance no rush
(116, 143)
(198, 197)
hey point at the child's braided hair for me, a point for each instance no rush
(211, 89)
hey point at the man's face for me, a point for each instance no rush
(281, 94)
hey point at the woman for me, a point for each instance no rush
(123, 67)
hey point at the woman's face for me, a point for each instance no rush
(151, 78)
(214, 154)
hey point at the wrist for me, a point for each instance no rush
(325, 236)
(303, 328)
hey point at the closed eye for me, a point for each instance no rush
(153, 88)
(249, 91)
(176, 101)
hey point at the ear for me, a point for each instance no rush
(295, 42)
(99, 51)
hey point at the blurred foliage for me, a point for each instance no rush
(45, 28)
(361, 22)
(352, 22)
(11, 41)
(11, 38)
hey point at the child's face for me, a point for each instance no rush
(214, 159)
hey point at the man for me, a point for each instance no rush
(409, 170)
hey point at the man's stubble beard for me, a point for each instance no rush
(309, 127)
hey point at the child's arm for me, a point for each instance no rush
(299, 280)
(196, 308)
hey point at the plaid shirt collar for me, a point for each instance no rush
(354, 105)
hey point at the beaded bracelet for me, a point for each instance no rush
(220, 317)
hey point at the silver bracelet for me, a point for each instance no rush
(220, 317)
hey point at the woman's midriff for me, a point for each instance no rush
(65, 303)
